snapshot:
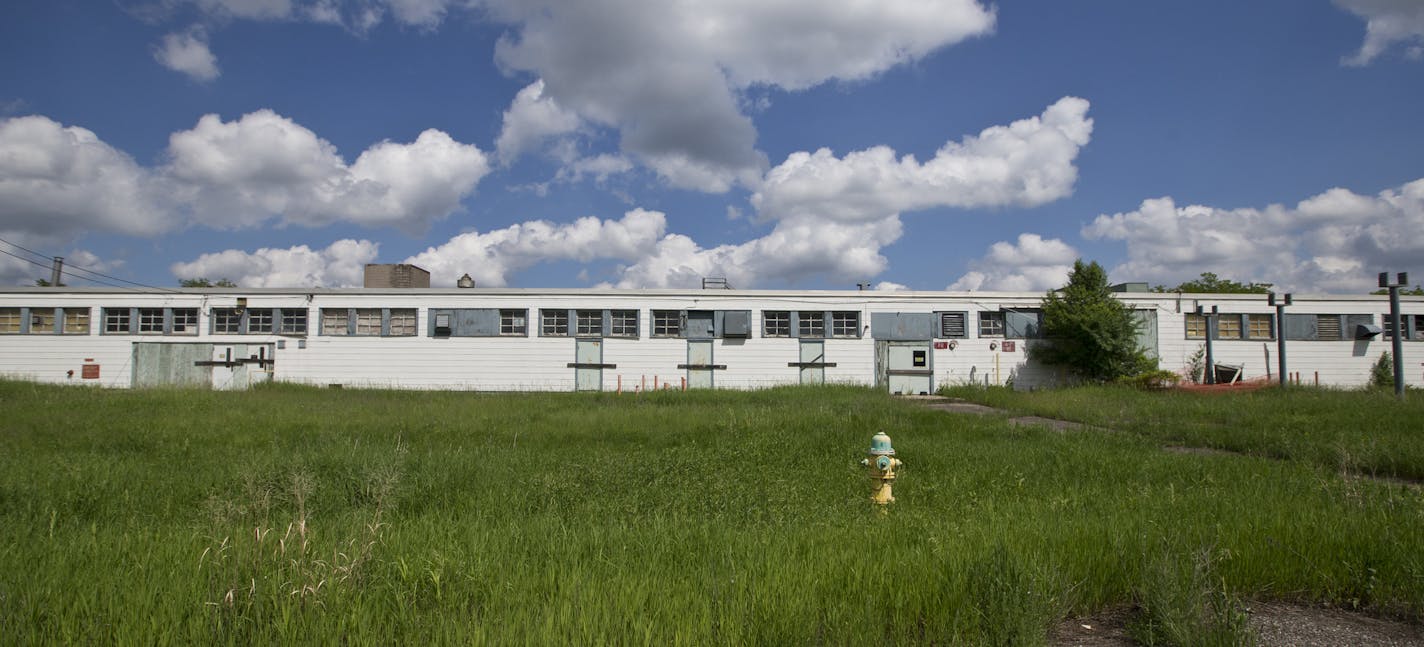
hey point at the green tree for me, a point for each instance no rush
(203, 282)
(1418, 291)
(1210, 283)
(1089, 331)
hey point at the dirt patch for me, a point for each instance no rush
(1051, 423)
(1275, 624)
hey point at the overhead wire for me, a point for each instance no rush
(65, 269)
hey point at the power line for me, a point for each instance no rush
(68, 266)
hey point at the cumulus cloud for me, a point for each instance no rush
(1032, 263)
(359, 17)
(61, 181)
(1027, 163)
(669, 76)
(188, 53)
(341, 264)
(531, 118)
(1332, 242)
(491, 257)
(1387, 22)
(56, 180)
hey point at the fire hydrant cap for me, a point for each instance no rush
(880, 445)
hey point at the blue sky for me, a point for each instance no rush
(911, 144)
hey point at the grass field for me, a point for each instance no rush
(373, 517)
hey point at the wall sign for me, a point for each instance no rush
(941, 345)
(1009, 346)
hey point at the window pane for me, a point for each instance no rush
(590, 323)
(667, 323)
(185, 321)
(1259, 326)
(511, 322)
(403, 322)
(991, 324)
(1196, 326)
(555, 323)
(811, 324)
(294, 321)
(76, 321)
(623, 323)
(259, 322)
(775, 323)
(41, 321)
(9, 320)
(1228, 327)
(226, 321)
(334, 320)
(368, 322)
(150, 320)
(845, 324)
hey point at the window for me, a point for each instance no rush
(227, 321)
(1228, 327)
(334, 321)
(811, 324)
(775, 323)
(623, 323)
(554, 323)
(76, 321)
(511, 322)
(368, 322)
(1259, 326)
(1196, 326)
(1327, 328)
(9, 320)
(150, 320)
(952, 324)
(41, 321)
(845, 324)
(991, 324)
(589, 323)
(185, 321)
(294, 321)
(402, 322)
(259, 322)
(117, 321)
(667, 323)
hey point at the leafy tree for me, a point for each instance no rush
(1416, 292)
(44, 283)
(1089, 331)
(1210, 283)
(203, 282)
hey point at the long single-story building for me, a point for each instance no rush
(629, 340)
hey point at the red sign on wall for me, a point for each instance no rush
(1009, 346)
(90, 372)
(941, 345)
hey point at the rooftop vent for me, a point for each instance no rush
(465, 281)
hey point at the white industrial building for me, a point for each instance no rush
(630, 340)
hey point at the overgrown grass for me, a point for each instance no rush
(293, 514)
(1366, 431)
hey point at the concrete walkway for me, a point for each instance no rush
(956, 405)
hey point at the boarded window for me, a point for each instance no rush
(667, 323)
(1228, 327)
(402, 322)
(845, 324)
(368, 322)
(1196, 326)
(1259, 326)
(775, 323)
(810, 324)
(334, 321)
(952, 324)
(9, 320)
(76, 321)
(41, 321)
(1327, 328)
(623, 323)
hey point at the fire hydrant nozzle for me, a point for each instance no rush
(882, 464)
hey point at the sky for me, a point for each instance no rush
(799, 144)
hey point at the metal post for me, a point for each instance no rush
(56, 272)
(1210, 373)
(1396, 346)
(1281, 333)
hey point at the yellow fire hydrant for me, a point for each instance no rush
(882, 464)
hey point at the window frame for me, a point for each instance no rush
(810, 324)
(776, 324)
(293, 321)
(513, 322)
(260, 321)
(1228, 327)
(995, 319)
(1252, 318)
(400, 322)
(181, 316)
(553, 322)
(219, 320)
(845, 324)
(12, 316)
(41, 321)
(943, 332)
(149, 321)
(623, 323)
(666, 324)
(588, 323)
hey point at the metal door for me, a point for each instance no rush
(699, 364)
(234, 369)
(160, 364)
(588, 365)
(907, 367)
(813, 352)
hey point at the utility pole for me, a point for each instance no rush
(1400, 280)
(1280, 332)
(1210, 372)
(56, 272)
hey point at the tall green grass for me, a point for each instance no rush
(296, 514)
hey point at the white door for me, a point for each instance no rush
(908, 368)
(588, 370)
(813, 352)
(699, 364)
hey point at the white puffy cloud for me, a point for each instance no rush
(56, 180)
(530, 119)
(1027, 163)
(262, 165)
(1387, 22)
(358, 16)
(490, 257)
(341, 264)
(61, 181)
(1332, 242)
(1032, 263)
(669, 76)
(188, 53)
